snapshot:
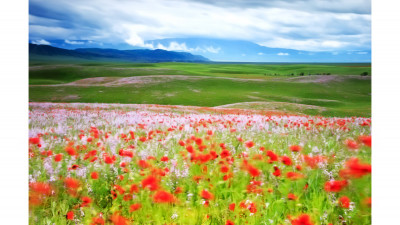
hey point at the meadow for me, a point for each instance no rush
(298, 88)
(151, 164)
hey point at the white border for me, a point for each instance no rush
(14, 112)
(385, 112)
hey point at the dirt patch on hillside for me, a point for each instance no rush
(121, 81)
(94, 81)
(280, 106)
(326, 78)
(66, 98)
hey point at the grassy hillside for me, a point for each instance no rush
(61, 73)
(218, 85)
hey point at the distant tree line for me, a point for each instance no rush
(309, 74)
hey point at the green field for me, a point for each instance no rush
(258, 86)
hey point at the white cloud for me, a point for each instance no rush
(176, 46)
(283, 53)
(260, 53)
(74, 42)
(309, 44)
(362, 53)
(303, 25)
(212, 49)
(333, 44)
(41, 42)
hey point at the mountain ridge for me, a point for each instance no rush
(136, 55)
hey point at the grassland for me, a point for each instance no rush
(272, 86)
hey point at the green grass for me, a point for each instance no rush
(344, 97)
(351, 97)
(70, 72)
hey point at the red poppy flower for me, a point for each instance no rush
(86, 201)
(127, 197)
(355, 169)
(286, 160)
(71, 183)
(150, 182)
(178, 190)
(135, 207)
(277, 171)
(58, 157)
(134, 189)
(74, 167)
(254, 172)
(335, 185)
(344, 202)
(97, 221)
(253, 188)
(351, 144)
(366, 140)
(163, 197)
(181, 143)
(252, 207)
(294, 175)
(312, 161)
(70, 150)
(242, 205)
(272, 156)
(232, 206)
(114, 194)
(228, 222)
(190, 148)
(199, 141)
(109, 160)
(142, 139)
(224, 169)
(143, 164)
(117, 219)
(164, 159)
(291, 196)
(119, 189)
(41, 187)
(207, 195)
(295, 148)
(303, 219)
(70, 215)
(225, 153)
(249, 144)
(35, 140)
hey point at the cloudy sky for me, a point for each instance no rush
(309, 25)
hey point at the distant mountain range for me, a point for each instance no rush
(137, 55)
(225, 50)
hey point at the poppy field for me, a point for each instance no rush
(150, 164)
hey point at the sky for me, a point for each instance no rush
(304, 25)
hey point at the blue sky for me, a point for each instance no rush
(339, 27)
